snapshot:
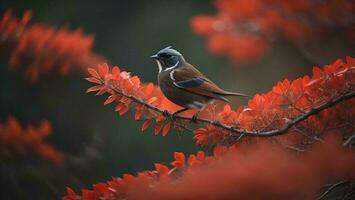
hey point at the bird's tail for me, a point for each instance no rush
(226, 93)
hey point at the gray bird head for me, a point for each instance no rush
(168, 58)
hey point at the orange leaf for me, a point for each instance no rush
(158, 128)
(102, 91)
(179, 160)
(138, 113)
(93, 80)
(116, 72)
(110, 99)
(200, 131)
(124, 109)
(146, 124)
(93, 73)
(94, 88)
(148, 89)
(103, 70)
(119, 107)
(161, 169)
(125, 100)
(227, 109)
(160, 119)
(166, 129)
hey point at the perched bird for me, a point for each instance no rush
(183, 84)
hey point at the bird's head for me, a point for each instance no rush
(168, 58)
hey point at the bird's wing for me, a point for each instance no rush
(192, 80)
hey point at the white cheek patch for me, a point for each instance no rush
(169, 68)
(172, 75)
(159, 66)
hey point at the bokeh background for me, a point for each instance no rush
(98, 144)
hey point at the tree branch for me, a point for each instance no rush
(347, 95)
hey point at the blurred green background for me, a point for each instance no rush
(97, 143)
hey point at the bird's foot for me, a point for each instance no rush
(170, 116)
(194, 118)
(166, 113)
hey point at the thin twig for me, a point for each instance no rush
(292, 148)
(183, 127)
(348, 95)
(304, 133)
(349, 141)
(330, 188)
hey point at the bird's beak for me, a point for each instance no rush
(155, 57)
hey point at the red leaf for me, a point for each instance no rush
(161, 169)
(45, 128)
(93, 73)
(103, 70)
(179, 160)
(158, 128)
(317, 72)
(102, 91)
(179, 156)
(191, 159)
(93, 80)
(138, 113)
(88, 194)
(148, 89)
(95, 88)
(200, 131)
(118, 107)
(102, 189)
(227, 109)
(116, 72)
(110, 99)
(71, 193)
(166, 129)
(124, 109)
(146, 124)
(200, 155)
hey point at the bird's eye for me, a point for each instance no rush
(164, 55)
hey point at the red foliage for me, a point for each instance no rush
(243, 29)
(15, 140)
(119, 82)
(250, 165)
(287, 101)
(42, 48)
(250, 172)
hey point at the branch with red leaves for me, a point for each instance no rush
(245, 29)
(288, 104)
(232, 173)
(42, 48)
(308, 109)
(16, 140)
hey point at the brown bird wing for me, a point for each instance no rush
(192, 80)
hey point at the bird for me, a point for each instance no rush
(184, 85)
